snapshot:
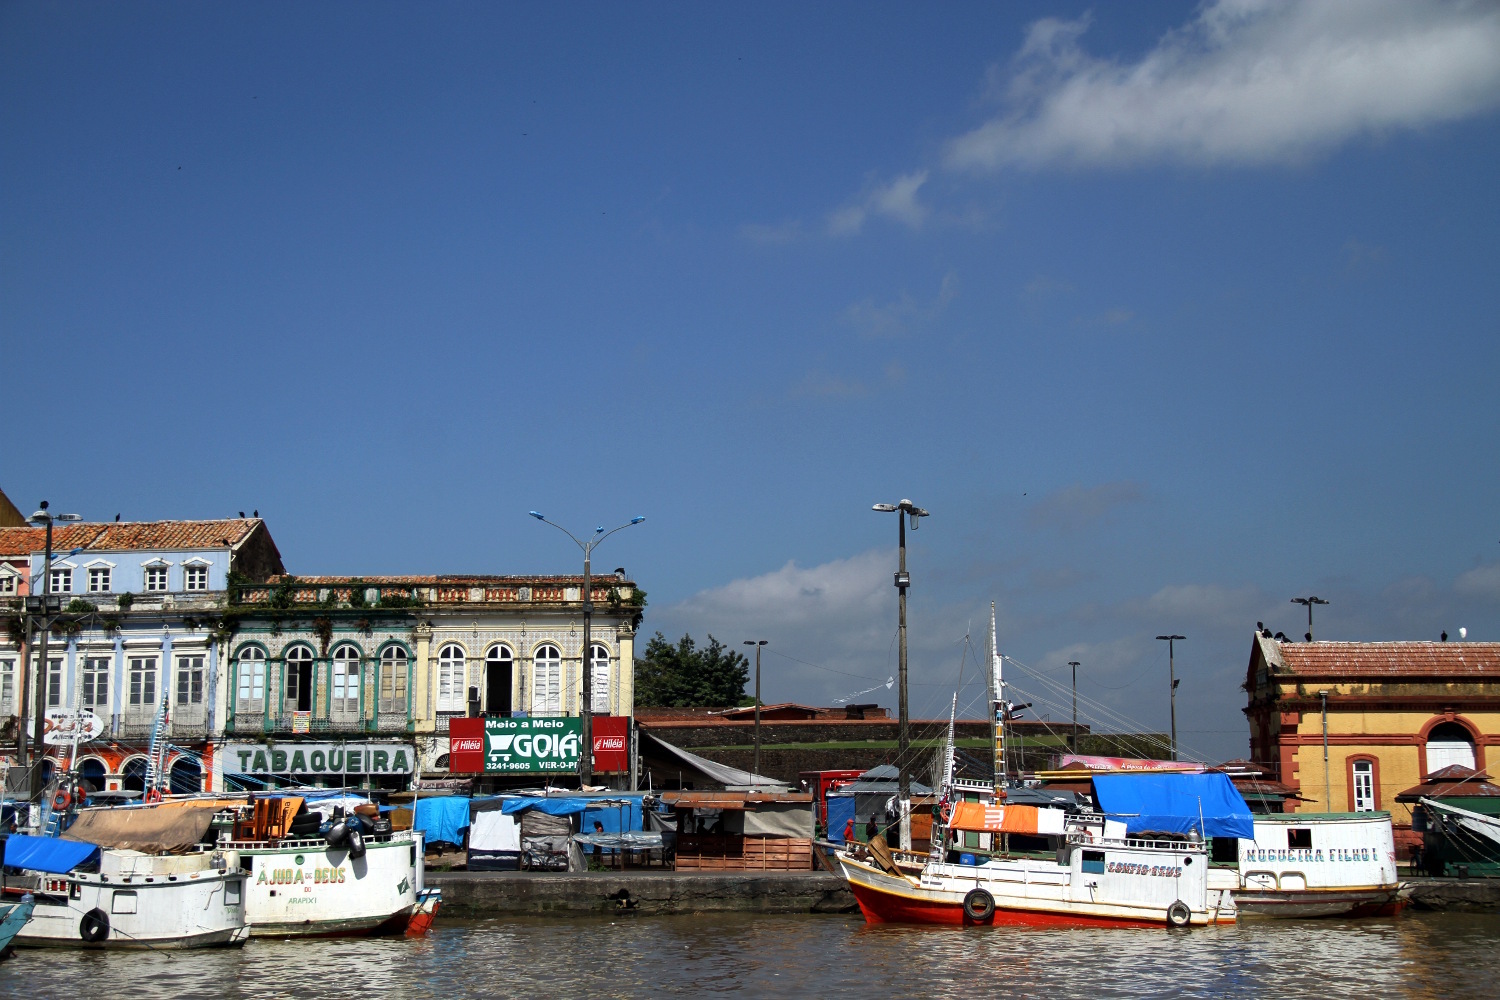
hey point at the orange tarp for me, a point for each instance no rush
(994, 819)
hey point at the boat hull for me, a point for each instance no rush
(309, 889)
(1311, 903)
(197, 910)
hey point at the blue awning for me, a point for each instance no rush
(1173, 803)
(47, 854)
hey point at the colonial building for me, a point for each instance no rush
(1395, 712)
(141, 606)
(385, 662)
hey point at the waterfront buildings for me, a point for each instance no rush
(1394, 712)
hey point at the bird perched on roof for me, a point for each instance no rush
(242, 513)
(117, 518)
(1281, 637)
(255, 513)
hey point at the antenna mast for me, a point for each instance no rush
(997, 705)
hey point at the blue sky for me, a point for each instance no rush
(1168, 312)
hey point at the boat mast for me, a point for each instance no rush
(997, 706)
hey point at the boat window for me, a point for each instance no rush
(1299, 840)
(123, 901)
(232, 892)
(1093, 861)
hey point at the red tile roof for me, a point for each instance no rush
(1391, 659)
(111, 536)
(457, 579)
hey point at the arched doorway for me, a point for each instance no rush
(91, 775)
(186, 776)
(133, 775)
(498, 667)
(1449, 743)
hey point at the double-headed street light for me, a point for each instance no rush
(757, 643)
(585, 714)
(1171, 641)
(1308, 602)
(43, 606)
(903, 580)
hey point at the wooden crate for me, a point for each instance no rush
(735, 852)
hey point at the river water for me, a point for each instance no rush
(1415, 955)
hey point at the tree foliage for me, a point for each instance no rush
(683, 675)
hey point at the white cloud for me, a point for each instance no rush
(1080, 506)
(896, 200)
(902, 315)
(1247, 81)
(793, 594)
(1481, 582)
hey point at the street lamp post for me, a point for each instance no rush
(757, 643)
(586, 710)
(1308, 602)
(42, 518)
(903, 580)
(1074, 665)
(1171, 641)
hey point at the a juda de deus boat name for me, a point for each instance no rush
(300, 876)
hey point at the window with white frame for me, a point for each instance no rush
(393, 670)
(8, 584)
(7, 686)
(299, 679)
(451, 677)
(599, 665)
(62, 580)
(156, 579)
(1364, 786)
(190, 671)
(96, 683)
(99, 579)
(345, 680)
(251, 680)
(546, 687)
(142, 681)
(54, 681)
(195, 577)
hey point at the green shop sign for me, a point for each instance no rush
(532, 746)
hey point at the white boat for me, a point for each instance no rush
(136, 900)
(1319, 865)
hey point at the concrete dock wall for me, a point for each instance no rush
(487, 894)
(1469, 894)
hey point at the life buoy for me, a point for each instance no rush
(153, 795)
(979, 906)
(61, 800)
(1178, 914)
(945, 813)
(94, 927)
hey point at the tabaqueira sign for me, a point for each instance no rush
(319, 758)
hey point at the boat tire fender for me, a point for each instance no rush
(94, 927)
(979, 906)
(338, 834)
(356, 844)
(1178, 914)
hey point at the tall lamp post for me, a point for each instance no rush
(1171, 641)
(586, 710)
(903, 510)
(1308, 602)
(1327, 784)
(1074, 664)
(757, 643)
(45, 606)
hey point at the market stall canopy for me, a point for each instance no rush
(148, 830)
(721, 774)
(47, 854)
(1176, 803)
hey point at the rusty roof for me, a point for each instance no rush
(118, 535)
(1450, 782)
(1389, 659)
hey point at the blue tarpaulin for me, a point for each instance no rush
(1173, 803)
(840, 812)
(442, 818)
(47, 854)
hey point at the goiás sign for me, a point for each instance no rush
(319, 758)
(539, 745)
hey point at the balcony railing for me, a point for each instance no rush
(393, 597)
(347, 725)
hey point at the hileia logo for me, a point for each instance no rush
(468, 744)
(609, 743)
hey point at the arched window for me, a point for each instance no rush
(599, 664)
(546, 688)
(1447, 744)
(345, 681)
(252, 679)
(499, 668)
(393, 672)
(299, 679)
(451, 678)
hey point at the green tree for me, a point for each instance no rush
(683, 675)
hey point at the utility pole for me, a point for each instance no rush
(1308, 602)
(1074, 665)
(586, 710)
(903, 510)
(757, 643)
(1172, 675)
(45, 606)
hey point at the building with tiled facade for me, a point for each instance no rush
(1395, 712)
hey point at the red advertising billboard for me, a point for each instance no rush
(611, 743)
(466, 745)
